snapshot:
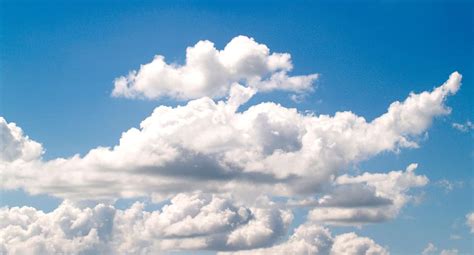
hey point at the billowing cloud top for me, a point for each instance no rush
(207, 145)
(211, 72)
(15, 145)
(186, 155)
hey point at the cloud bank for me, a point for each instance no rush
(219, 167)
(188, 222)
(210, 146)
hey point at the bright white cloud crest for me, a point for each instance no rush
(189, 221)
(209, 147)
(211, 72)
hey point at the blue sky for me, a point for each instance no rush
(59, 61)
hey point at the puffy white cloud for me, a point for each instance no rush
(313, 239)
(470, 221)
(379, 198)
(14, 145)
(210, 146)
(350, 243)
(211, 72)
(189, 221)
(68, 230)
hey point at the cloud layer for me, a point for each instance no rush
(313, 239)
(210, 146)
(187, 222)
(218, 168)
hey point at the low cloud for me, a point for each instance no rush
(188, 222)
(197, 153)
(388, 194)
(209, 72)
(210, 146)
(313, 239)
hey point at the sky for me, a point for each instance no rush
(254, 126)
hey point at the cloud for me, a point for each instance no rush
(210, 146)
(68, 230)
(449, 186)
(209, 72)
(350, 243)
(455, 237)
(466, 127)
(14, 145)
(188, 221)
(470, 221)
(429, 249)
(449, 252)
(194, 155)
(313, 239)
(379, 197)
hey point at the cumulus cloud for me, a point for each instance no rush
(189, 221)
(14, 145)
(208, 145)
(211, 72)
(206, 149)
(470, 221)
(350, 243)
(313, 239)
(379, 197)
(67, 230)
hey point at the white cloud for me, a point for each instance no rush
(466, 127)
(211, 72)
(470, 221)
(14, 145)
(68, 230)
(379, 198)
(189, 221)
(449, 186)
(350, 243)
(313, 239)
(455, 237)
(429, 249)
(449, 252)
(208, 145)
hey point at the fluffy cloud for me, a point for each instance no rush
(350, 243)
(379, 198)
(210, 146)
(211, 72)
(14, 145)
(189, 221)
(313, 239)
(68, 230)
(207, 147)
(470, 221)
